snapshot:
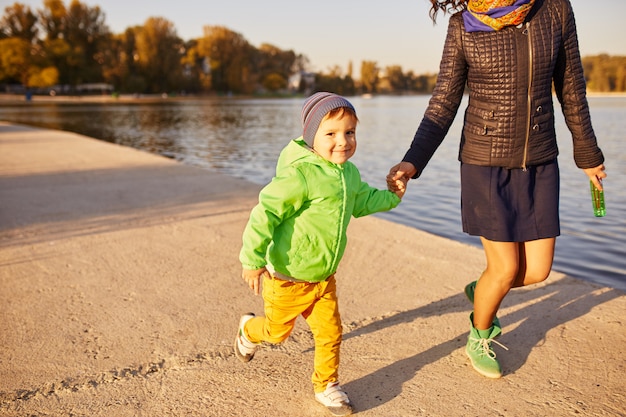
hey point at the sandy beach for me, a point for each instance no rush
(120, 294)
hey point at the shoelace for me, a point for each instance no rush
(484, 346)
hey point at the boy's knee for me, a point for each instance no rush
(276, 339)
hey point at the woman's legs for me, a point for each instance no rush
(509, 264)
(537, 257)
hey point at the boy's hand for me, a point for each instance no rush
(399, 176)
(398, 186)
(253, 278)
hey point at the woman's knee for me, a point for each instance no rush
(537, 257)
(536, 276)
(505, 274)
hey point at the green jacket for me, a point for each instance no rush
(299, 225)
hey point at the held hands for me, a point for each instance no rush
(397, 186)
(253, 278)
(596, 175)
(399, 176)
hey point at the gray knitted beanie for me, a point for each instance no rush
(315, 108)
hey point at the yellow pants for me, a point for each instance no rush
(317, 302)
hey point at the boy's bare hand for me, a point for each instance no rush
(398, 186)
(399, 176)
(253, 278)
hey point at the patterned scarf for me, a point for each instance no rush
(490, 15)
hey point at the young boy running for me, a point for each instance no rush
(298, 231)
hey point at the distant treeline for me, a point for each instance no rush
(61, 49)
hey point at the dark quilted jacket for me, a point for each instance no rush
(509, 121)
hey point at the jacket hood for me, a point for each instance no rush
(298, 151)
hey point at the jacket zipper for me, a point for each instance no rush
(528, 97)
(341, 220)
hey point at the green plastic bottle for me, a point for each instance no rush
(597, 199)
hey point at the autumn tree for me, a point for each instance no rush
(76, 38)
(192, 67)
(228, 58)
(19, 21)
(274, 66)
(158, 54)
(396, 77)
(21, 58)
(335, 81)
(605, 73)
(369, 76)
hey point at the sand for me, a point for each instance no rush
(120, 294)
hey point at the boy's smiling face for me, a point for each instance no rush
(335, 139)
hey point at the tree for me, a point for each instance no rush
(369, 76)
(15, 60)
(19, 22)
(229, 57)
(21, 58)
(397, 79)
(52, 18)
(158, 54)
(274, 82)
(191, 66)
(76, 38)
(300, 64)
(88, 35)
(273, 60)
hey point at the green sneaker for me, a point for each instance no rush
(479, 350)
(469, 293)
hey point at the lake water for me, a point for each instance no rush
(243, 137)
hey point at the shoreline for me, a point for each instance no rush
(130, 98)
(121, 296)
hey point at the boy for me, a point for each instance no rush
(299, 227)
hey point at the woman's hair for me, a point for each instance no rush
(446, 6)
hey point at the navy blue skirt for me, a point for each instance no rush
(510, 205)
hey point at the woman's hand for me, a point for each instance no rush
(596, 175)
(398, 186)
(399, 175)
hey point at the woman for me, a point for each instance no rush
(508, 54)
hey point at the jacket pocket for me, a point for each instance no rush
(480, 119)
(542, 118)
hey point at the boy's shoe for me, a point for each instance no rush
(480, 353)
(335, 399)
(469, 293)
(244, 349)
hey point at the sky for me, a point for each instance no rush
(336, 32)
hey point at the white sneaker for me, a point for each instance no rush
(244, 349)
(335, 399)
